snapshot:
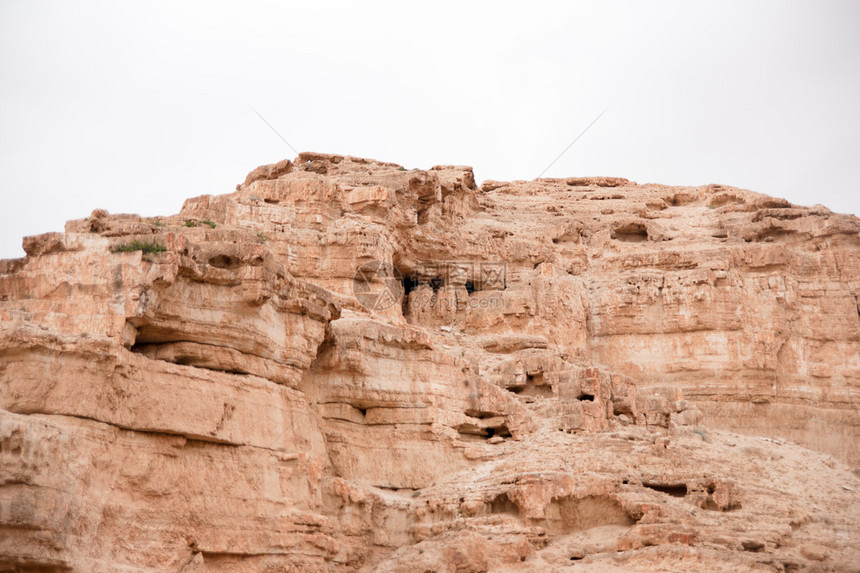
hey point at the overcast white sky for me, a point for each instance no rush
(135, 106)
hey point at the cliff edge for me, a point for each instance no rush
(346, 365)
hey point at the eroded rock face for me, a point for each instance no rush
(349, 366)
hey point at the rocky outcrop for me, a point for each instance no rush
(345, 365)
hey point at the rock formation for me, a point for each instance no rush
(346, 365)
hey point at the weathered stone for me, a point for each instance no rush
(541, 379)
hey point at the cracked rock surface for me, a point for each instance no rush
(346, 365)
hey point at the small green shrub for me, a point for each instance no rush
(263, 236)
(190, 223)
(158, 223)
(147, 248)
(701, 433)
(209, 222)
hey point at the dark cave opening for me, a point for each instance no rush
(675, 489)
(409, 283)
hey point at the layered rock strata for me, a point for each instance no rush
(346, 365)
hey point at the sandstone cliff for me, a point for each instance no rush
(345, 365)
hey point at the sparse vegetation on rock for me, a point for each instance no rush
(146, 247)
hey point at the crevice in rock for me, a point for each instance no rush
(171, 345)
(680, 199)
(631, 233)
(569, 514)
(501, 431)
(484, 428)
(189, 437)
(225, 262)
(673, 489)
(772, 234)
(724, 199)
(409, 283)
(396, 488)
(502, 505)
(149, 350)
(481, 415)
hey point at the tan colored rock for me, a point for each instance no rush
(542, 382)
